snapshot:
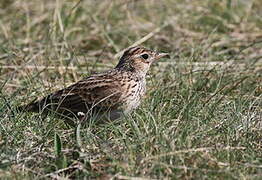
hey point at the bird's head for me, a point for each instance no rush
(138, 59)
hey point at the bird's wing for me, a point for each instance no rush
(100, 92)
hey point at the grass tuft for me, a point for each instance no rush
(201, 118)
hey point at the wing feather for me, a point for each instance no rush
(95, 92)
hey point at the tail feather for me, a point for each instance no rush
(34, 106)
(68, 105)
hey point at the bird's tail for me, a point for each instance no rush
(33, 106)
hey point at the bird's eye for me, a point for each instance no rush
(145, 56)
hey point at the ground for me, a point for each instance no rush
(201, 118)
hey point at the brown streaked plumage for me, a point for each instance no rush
(110, 93)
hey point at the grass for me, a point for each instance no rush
(201, 118)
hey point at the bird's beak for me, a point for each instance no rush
(160, 55)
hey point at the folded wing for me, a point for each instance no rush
(93, 94)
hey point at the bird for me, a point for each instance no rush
(110, 94)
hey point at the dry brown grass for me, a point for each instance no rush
(202, 115)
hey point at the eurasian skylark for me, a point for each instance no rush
(111, 93)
